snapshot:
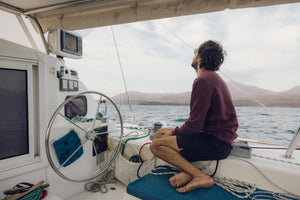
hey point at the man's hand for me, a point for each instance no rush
(164, 132)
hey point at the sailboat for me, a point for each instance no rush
(57, 132)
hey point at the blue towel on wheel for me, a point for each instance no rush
(66, 146)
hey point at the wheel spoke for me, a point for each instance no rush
(88, 133)
(97, 111)
(72, 154)
(73, 123)
(95, 148)
(102, 133)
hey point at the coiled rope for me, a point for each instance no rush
(237, 188)
(100, 185)
(269, 195)
(34, 195)
(269, 180)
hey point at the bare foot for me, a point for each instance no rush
(197, 182)
(180, 179)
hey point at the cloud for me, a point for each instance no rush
(262, 46)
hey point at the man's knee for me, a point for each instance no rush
(169, 142)
(154, 146)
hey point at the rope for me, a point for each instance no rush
(271, 182)
(237, 188)
(142, 161)
(278, 160)
(269, 195)
(216, 168)
(34, 195)
(140, 151)
(172, 170)
(251, 96)
(187, 44)
(175, 170)
(100, 186)
(120, 64)
(136, 138)
(240, 189)
(139, 168)
(254, 99)
(245, 190)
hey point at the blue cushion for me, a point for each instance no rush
(157, 187)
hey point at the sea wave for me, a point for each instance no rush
(274, 125)
(179, 120)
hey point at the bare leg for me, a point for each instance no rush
(166, 148)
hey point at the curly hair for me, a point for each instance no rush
(212, 55)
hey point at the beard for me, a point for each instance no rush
(194, 64)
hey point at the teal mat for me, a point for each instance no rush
(157, 187)
(153, 187)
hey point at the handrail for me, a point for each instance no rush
(293, 145)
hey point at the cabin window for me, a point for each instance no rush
(76, 107)
(13, 113)
(18, 143)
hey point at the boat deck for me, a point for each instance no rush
(266, 160)
(115, 191)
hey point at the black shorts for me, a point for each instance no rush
(202, 146)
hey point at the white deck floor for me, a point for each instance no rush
(116, 191)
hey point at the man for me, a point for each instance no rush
(210, 129)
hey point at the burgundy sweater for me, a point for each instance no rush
(211, 109)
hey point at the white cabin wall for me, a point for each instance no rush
(52, 99)
(47, 98)
(32, 170)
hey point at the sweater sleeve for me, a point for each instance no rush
(199, 105)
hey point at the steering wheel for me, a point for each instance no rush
(87, 132)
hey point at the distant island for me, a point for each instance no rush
(242, 95)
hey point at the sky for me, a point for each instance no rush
(262, 45)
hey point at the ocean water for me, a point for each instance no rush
(270, 125)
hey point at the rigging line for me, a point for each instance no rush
(120, 64)
(234, 84)
(256, 100)
(251, 96)
(187, 44)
